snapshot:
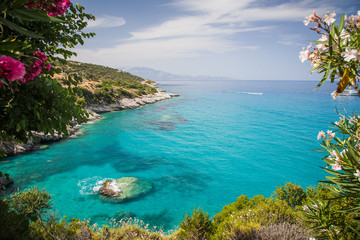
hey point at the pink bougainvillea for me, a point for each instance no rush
(36, 67)
(11, 69)
(53, 7)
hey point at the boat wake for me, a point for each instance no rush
(253, 93)
(242, 92)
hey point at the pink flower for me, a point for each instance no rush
(59, 7)
(330, 134)
(11, 69)
(22, 80)
(40, 55)
(306, 208)
(312, 18)
(329, 18)
(350, 54)
(35, 68)
(304, 55)
(336, 166)
(357, 174)
(321, 134)
(52, 7)
(48, 67)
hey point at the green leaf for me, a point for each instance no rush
(341, 23)
(19, 29)
(34, 15)
(323, 79)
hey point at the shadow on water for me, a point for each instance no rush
(185, 183)
(158, 219)
(167, 122)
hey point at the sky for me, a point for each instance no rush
(239, 39)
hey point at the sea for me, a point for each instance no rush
(216, 141)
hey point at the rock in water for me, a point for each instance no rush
(124, 189)
(5, 181)
(108, 189)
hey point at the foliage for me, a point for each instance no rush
(247, 216)
(334, 213)
(198, 226)
(60, 229)
(12, 224)
(30, 98)
(336, 54)
(293, 194)
(20, 209)
(106, 85)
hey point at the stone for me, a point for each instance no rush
(108, 190)
(5, 182)
(124, 189)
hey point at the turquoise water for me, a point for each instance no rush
(218, 140)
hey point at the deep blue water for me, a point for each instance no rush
(218, 140)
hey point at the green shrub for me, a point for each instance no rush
(293, 194)
(12, 224)
(198, 226)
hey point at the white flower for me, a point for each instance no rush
(350, 54)
(321, 47)
(306, 208)
(344, 34)
(357, 174)
(336, 166)
(315, 206)
(321, 134)
(330, 134)
(304, 55)
(312, 18)
(329, 18)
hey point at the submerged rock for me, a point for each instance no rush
(124, 215)
(124, 189)
(5, 181)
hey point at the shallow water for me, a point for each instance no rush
(218, 140)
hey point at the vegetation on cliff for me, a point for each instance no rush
(104, 85)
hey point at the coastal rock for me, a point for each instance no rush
(108, 189)
(131, 103)
(14, 148)
(5, 181)
(124, 189)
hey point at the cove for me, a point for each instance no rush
(218, 140)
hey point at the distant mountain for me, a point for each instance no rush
(157, 75)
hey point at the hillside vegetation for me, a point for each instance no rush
(103, 85)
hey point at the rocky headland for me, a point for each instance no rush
(14, 148)
(131, 103)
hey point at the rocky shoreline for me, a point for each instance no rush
(14, 148)
(131, 103)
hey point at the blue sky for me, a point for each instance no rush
(240, 39)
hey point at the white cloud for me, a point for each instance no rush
(205, 27)
(107, 22)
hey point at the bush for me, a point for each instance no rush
(196, 227)
(293, 194)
